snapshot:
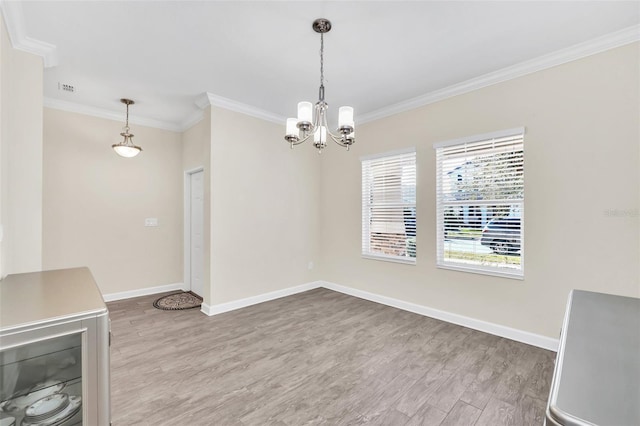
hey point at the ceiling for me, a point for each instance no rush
(165, 54)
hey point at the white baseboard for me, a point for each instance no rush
(484, 326)
(143, 292)
(253, 300)
(487, 327)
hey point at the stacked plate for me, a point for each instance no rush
(43, 405)
(39, 391)
(52, 410)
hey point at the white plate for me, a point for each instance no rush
(75, 402)
(47, 406)
(43, 389)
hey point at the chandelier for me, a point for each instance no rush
(312, 121)
(126, 148)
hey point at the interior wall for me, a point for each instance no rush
(196, 153)
(264, 208)
(20, 159)
(95, 202)
(581, 194)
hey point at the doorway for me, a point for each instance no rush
(194, 231)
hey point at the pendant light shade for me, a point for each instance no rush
(126, 148)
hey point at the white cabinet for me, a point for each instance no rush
(54, 350)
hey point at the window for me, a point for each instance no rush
(480, 203)
(389, 206)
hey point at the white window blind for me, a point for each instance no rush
(389, 207)
(480, 203)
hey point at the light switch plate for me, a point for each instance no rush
(151, 221)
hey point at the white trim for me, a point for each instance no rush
(484, 326)
(187, 225)
(253, 300)
(14, 20)
(191, 120)
(109, 115)
(142, 292)
(393, 153)
(502, 274)
(518, 131)
(209, 98)
(394, 259)
(559, 57)
(202, 101)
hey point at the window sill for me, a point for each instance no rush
(407, 261)
(511, 275)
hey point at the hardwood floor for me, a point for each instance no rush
(318, 357)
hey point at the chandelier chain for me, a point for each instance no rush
(321, 59)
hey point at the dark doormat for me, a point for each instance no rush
(178, 301)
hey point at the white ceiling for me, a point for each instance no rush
(164, 54)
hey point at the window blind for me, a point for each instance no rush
(480, 203)
(389, 207)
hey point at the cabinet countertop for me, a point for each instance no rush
(597, 376)
(36, 297)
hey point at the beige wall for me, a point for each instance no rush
(95, 202)
(265, 208)
(196, 153)
(273, 210)
(20, 159)
(581, 162)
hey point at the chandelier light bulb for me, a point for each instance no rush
(305, 112)
(320, 135)
(345, 117)
(292, 127)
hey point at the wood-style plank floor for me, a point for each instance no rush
(318, 357)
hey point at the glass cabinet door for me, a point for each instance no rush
(41, 382)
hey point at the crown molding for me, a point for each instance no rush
(14, 20)
(109, 114)
(209, 98)
(192, 120)
(575, 52)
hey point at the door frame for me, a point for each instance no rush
(187, 225)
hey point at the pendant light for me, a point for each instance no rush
(126, 148)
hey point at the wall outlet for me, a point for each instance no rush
(151, 221)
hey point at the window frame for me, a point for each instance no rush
(440, 210)
(366, 252)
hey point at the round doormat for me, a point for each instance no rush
(178, 301)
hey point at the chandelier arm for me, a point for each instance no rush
(326, 126)
(303, 140)
(320, 113)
